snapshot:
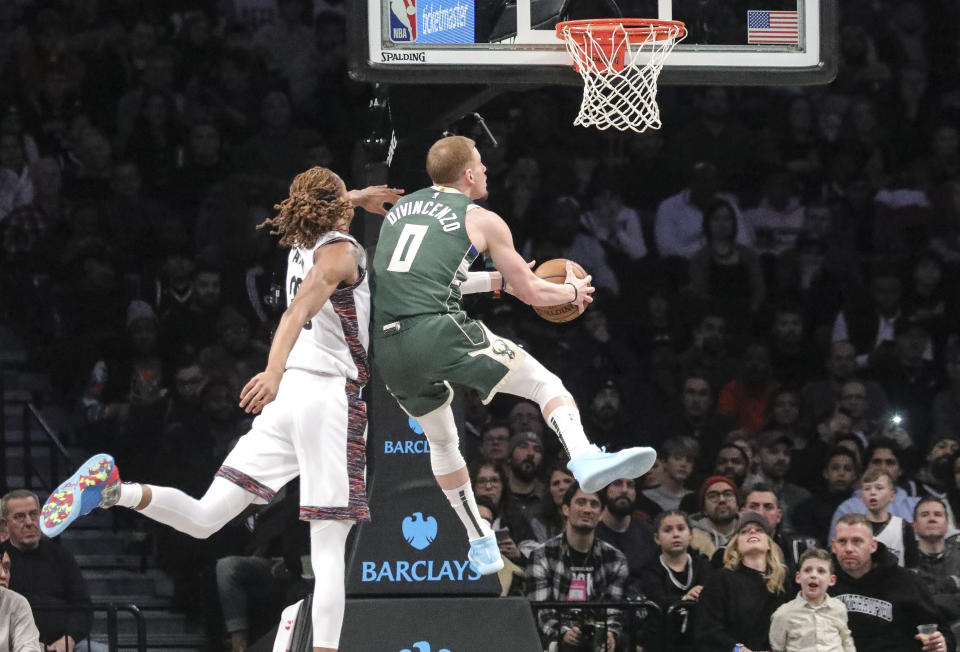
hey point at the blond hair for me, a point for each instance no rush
(776, 570)
(448, 158)
(315, 206)
(874, 473)
(816, 553)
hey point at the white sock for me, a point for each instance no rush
(565, 421)
(465, 505)
(131, 493)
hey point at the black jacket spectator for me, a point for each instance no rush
(49, 578)
(735, 607)
(885, 605)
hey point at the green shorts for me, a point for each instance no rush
(418, 359)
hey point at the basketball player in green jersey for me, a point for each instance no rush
(424, 341)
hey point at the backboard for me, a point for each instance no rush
(730, 42)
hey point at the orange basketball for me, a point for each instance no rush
(555, 271)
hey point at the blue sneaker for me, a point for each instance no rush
(484, 555)
(597, 469)
(95, 484)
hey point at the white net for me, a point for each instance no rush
(620, 67)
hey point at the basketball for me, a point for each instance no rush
(555, 271)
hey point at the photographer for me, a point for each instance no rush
(576, 566)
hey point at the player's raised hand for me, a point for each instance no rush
(372, 198)
(260, 390)
(583, 287)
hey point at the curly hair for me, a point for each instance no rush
(314, 207)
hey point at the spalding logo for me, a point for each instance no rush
(419, 532)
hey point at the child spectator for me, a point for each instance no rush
(892, 531)
(812, 621)
(679, 456)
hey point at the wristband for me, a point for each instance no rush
(576, 293)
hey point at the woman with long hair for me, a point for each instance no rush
(515, 537)
(550, 522)
(738, 600)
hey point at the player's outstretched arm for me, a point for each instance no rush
(372, 198)
(334, 264)
(490, 233)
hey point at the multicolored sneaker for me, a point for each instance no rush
(484, 555)
(596, 469)
(95, 484)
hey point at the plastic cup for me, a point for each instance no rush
(926, 631)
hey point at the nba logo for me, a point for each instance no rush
(403, 21)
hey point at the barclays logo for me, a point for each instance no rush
(419, 532)
(415, 425)
(421, 646)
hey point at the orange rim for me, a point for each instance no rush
(603, 29)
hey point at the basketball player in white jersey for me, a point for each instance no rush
(313, 422)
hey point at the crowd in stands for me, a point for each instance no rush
(778, 306)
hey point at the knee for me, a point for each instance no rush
(227, 569)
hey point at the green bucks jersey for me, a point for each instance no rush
(422, 256)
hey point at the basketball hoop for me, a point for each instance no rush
(620, 60)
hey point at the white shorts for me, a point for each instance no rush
(315, 428)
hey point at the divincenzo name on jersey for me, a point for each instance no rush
(448, 220)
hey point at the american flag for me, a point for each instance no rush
(773, 27)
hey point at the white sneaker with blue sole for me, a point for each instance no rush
(596, 469)
(484, 555)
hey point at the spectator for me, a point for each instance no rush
(737, 602)
(577, 566)
(235, 356)
(719, 504)
(840, 473)
(632, 537)
(523, 469)
(280, 148)
(868, 322)
(678, 573)
(203, 168)
(709, 354)
(934, 478)
(614, 225)
(884, 454)
(938, 563)
(47, 576)
(885, 603)
(490, 480)
(551, 522)
(192, 326)
(774, 451)
(896, 534)
(794, 356)
(16, 186)
(697, 418)
(493, 442)
(607, 420)
(762, 500)
(746, 397)
(812, 619)
(819, 396)
(679, 220)
(778, 219)
(18, 632)
(853, 401)
(725, 270)
(733, 462)
(525, 416)
(909, 378)
(945, 410)
(679, 454)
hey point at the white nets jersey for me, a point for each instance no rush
(336, 340)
